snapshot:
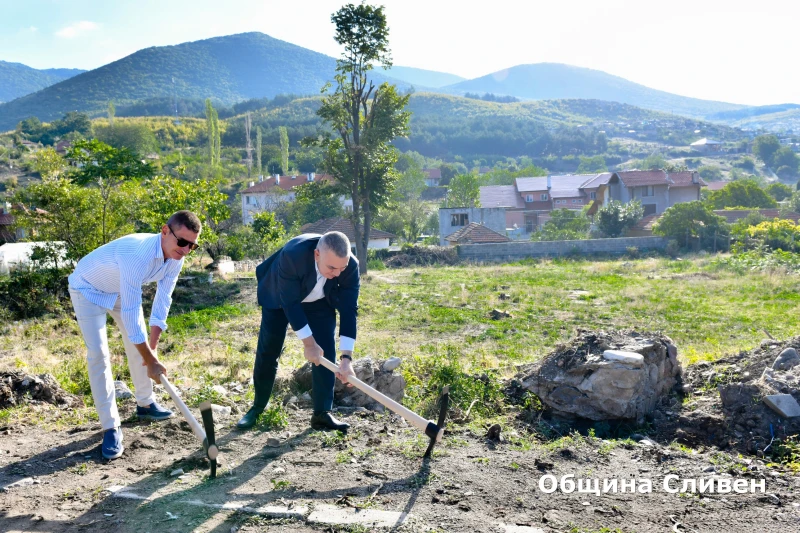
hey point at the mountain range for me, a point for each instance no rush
(239, 67)
(18, 80)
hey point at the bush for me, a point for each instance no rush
(673, 248)
(770, 235)
(30, 292)
(694, 225)
(633, 252)
(613, 219)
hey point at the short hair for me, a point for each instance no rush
(185, 219)
(335, 241)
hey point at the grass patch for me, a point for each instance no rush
(205, 319)
(273, 417)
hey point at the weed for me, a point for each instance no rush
(280, 484)
(273, 417)
(332, 439)
(514, 466)
(80, 469)
(481, 460)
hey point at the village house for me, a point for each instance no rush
(268, 193)
(453, 219)
(707, 146)
(377, 239)
(432, 176)
(657, 190)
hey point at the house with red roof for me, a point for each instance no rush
(272, 191)
(657, 190)
(377, 238)
(432, 176)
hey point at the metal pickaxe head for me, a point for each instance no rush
(209, 443)
(436, 431)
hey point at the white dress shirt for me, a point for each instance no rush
(318, 293)
(118, 269)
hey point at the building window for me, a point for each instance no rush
(593, 195)
(559, 202)
(544, 197)
(647, 191)
(575, 201)
(248, 202)
(529, 198)
(459, 219)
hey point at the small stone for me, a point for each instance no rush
(494, 432)
(710, 469)
(391, 364)
(220, 410)
(687, 388)
(783, 404)
(292, 400)
(305, 397)
(176, 472)
(219, 389)
(278, 470)
(121, 391)
(272, 442)
(787, 360)
(629, 358)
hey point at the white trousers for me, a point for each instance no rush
(92, 321)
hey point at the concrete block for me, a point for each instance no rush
(519, 529)
(629, 358)
(783, 404)
(333, 515)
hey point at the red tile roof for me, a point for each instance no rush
(686, 179)
(733, 215)
(474, 233)
(639, 178)
(286, 183)
(433, 173)
(345, 226)
(717, 185)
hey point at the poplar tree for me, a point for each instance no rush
(284, 150)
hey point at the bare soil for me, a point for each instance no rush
(472, 483)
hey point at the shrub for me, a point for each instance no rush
(30, 291)
(613, 219)
(673, 248)
(633, 252)
(694, 224)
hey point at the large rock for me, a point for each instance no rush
(370, 372)
(787, 360)
(603, 376)
(121, 391)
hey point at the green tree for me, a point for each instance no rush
(450, 171)
(48, 163)
(741, 193)
(212, 130)
(592, 165)
(786, 162)
(107, 168)
(112, 111)
(259, 143)
(616, 217)
(464, 191)
(779, 191)
(564, 225)
(710, 172)
(313, 201)
(67, 212)
(136, 136)
(165, 195)
(765, 146)
(284, 134)
(693, 222)
(365, 118)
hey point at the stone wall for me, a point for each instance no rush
(520, 250)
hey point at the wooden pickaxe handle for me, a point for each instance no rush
(427, 426)
(211, 449)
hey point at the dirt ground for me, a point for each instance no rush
(471, 484)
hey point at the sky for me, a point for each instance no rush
(736, 51)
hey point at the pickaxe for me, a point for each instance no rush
(207, 436)
(433, 431)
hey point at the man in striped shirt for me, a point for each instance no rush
(109, 281)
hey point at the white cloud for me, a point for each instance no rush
(76, 29)
(33, 29)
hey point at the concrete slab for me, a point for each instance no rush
(271, 511)
(24, 482)
(520, 529)
(628, 358)
(333, 515)
(783, 404)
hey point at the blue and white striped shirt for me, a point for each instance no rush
(119, 269)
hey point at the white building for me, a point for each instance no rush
(270, 192)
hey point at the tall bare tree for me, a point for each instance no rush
(259, 143)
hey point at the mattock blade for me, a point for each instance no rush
(210, 443)
(444, 404)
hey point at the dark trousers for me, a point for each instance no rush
(322, 321)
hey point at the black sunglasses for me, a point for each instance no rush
(183, 243)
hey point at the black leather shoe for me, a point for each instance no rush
(249, 418)
(326, 421)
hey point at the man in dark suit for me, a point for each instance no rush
(304, 284)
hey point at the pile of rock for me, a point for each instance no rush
(18, 388)
(605, 376)
(380, 375)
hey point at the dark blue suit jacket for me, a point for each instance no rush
(288, 276)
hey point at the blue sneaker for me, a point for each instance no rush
(153, 412)
(112, 443)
